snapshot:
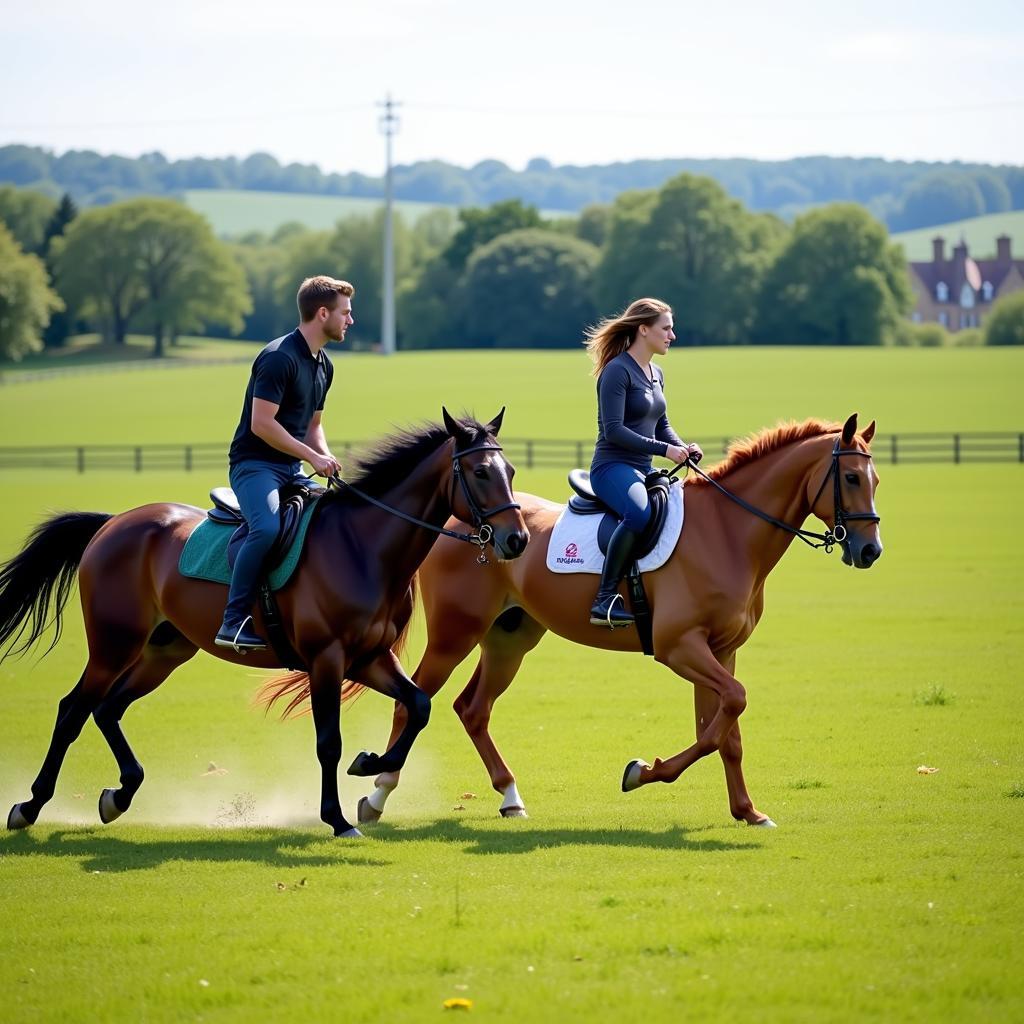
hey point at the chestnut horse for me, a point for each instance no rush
(343, 608)
(706, 600)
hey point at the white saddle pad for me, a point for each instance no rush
(573, 545)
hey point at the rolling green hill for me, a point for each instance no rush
(979, 233)
(234, 212)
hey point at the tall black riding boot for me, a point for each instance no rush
(609, 608)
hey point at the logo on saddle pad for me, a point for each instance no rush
(571, 556)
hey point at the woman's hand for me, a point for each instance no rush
(695, 451)
(676, 454)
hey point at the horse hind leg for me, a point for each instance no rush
(72, 713)
(165, 651)
(503, 649)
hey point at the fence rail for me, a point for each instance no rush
(529, 453)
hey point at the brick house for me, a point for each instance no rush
(958, 293)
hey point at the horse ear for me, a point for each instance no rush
(495, 425)
(868, 432)
(453, 426)
(849, 429)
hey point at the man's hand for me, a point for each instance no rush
(325, 465)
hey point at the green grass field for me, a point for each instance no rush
(884, 895)
(980, 234)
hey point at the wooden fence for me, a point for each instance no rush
(542, 453)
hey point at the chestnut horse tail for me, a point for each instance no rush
(41, 576)
(296, 684)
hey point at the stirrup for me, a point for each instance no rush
(607, 620)
(238, 643)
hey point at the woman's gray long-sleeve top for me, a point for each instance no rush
(632, 423)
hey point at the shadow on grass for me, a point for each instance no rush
(96, 850)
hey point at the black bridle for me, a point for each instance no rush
(841, 517)
(484, 534)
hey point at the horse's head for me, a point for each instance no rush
(482, 485)
(845, 500)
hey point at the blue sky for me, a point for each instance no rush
(569, 81)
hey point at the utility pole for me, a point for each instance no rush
(388, 126)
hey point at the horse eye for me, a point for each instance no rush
(480, 473)
(852, 478)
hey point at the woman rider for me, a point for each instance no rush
(632, 426)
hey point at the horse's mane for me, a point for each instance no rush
(748, 449)
(389, 461)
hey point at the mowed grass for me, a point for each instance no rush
(885, 894)
(713, 394)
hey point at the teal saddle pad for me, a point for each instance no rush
(205, 555)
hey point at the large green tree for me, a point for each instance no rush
(837, 281)
(150, 262)
(26, 299)
(530, 289)
(693, 246)
(478, 226)
(27, 214)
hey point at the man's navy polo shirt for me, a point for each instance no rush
(289, 375)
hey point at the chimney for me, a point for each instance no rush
(960, 252)
(938, 247)
(1003, 250)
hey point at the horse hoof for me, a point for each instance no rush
(365, 764)
(109, 811)
(16, 820)
(350, 833)
(366, 813)
(764, 823)
(513, 812)
(631, 776)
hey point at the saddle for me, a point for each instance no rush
(586, 503)
(295, 498)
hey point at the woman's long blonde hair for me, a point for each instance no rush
(614, 334)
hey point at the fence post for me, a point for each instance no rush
(138, 460)
(188, 458)
(956, 447)
(1020, 447)
(893, 447)
(529, 455)
(81, 460)
(579, 453)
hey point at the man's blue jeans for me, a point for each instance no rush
(256, 485)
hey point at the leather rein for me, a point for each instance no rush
(841, 517)
(484, 531)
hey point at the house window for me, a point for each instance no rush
(942, 292)
(986, 291)
(966, 297)
(944, 318)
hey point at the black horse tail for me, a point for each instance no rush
(295, 685)
(42, 575)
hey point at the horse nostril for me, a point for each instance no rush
(517, 543)
(869, 554)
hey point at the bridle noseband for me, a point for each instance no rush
(840, 516)
(484, 534)
(829, 538)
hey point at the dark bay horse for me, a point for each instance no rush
(706, 599)
(344, 607)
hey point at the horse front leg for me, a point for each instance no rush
(692, 659)
(705, 704)
(386, 675)
(325, 678)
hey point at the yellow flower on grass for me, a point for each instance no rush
(458, 1004)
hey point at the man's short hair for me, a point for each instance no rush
(319, 291)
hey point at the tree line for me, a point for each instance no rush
(902, 194)
(499, 276)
